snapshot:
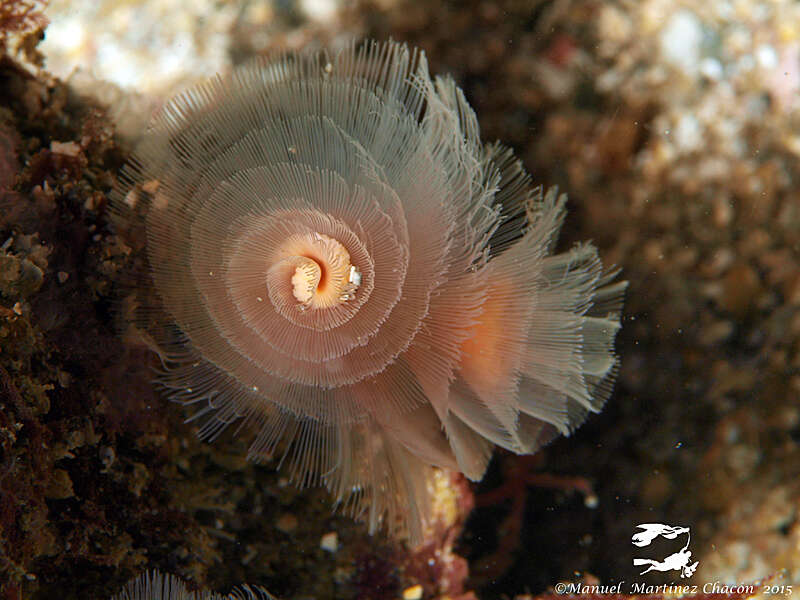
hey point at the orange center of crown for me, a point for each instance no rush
(322, 275)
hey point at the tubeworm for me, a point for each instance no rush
(153, 585)
(349, 268)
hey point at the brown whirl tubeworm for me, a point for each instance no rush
(348, 267)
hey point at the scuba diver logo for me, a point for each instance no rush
(678, 561)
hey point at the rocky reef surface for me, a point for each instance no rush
(672, 126)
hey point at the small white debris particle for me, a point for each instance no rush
(681, 40)
(766, 56)
(132, 198)
(319, 10)
(329, 542)
(689, 134)
(65, 148)
(711, 68)
(355, 276)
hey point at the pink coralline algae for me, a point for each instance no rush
(348, 268)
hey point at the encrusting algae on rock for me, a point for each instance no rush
(344, 264)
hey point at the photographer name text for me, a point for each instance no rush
(639, 588)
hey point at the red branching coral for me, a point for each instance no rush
(350, 268)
